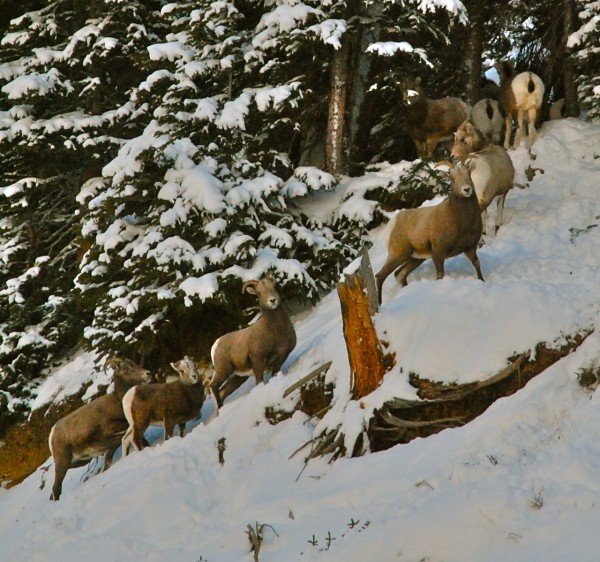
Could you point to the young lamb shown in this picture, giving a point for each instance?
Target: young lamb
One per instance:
(438, 232)
(95, 428)
(166, 404)
(520, 99)
(430, 122)
(488, 119)
(262, 346)
(492, 170)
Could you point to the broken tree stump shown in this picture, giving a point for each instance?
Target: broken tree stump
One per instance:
(358, 300)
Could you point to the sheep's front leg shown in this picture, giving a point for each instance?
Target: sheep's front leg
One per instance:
(169, 426)
(472, 255)
(438, 262)
(108, 458)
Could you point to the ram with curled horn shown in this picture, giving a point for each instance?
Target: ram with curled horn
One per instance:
(256, 349)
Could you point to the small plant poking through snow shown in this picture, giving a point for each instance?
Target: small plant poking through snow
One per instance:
(537, 498)
(353, 526)
(255, 536)
(589, 377)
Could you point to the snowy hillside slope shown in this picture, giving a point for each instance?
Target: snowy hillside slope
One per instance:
(521, 482)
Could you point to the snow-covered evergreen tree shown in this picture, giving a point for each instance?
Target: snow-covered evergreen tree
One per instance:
(208, 196)
(586, 46)
(65, 73)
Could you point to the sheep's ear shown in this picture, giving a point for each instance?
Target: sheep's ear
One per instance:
(249, 287)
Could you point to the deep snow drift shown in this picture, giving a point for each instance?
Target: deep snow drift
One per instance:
(521, 482)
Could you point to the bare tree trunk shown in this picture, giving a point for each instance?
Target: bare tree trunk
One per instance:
(358, 299)
(361, 111)
(474, 50)
(571, 101)
(334, 144)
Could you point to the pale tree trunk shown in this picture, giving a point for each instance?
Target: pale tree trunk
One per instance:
(571, 101)
(361, 111)
(474, 50)
(338, 81)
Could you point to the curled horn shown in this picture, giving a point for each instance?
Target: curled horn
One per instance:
(113, 363)
(249, 284)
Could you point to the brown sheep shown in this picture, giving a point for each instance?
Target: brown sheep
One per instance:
(260, 347)
(438, 232)
(430, 122)
(166, 404)
(520, 98)
(96, 428)
(492, 170)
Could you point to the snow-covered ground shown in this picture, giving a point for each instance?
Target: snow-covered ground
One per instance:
(521, 482)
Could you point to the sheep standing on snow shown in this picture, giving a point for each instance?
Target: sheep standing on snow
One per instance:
(521, 96)
(488, 119)
(96, 428)
(492, 170)
(260, 347)
(430, 122)
(166, 404)
(438, 232)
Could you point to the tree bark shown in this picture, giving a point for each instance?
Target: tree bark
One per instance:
(334, 144)
(474, 50)
(571, 101)
(368, 363)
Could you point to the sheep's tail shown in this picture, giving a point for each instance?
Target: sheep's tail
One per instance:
(530, 85)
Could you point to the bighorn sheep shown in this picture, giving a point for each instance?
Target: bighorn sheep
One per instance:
(450, 228)
(520, 99)
(488, 119)
(492, 170)
(558, 110)
(166, 404)
(430, 122)
(262, 346)
(95, 428)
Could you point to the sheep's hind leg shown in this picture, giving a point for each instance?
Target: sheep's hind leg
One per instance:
(499, 211)
(531, 131)
(507, 131)
(60, 470)
(231, 385)
(388, 267)
(407, 267)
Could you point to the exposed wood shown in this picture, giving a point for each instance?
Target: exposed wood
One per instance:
(368, 363)
(441, 406)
